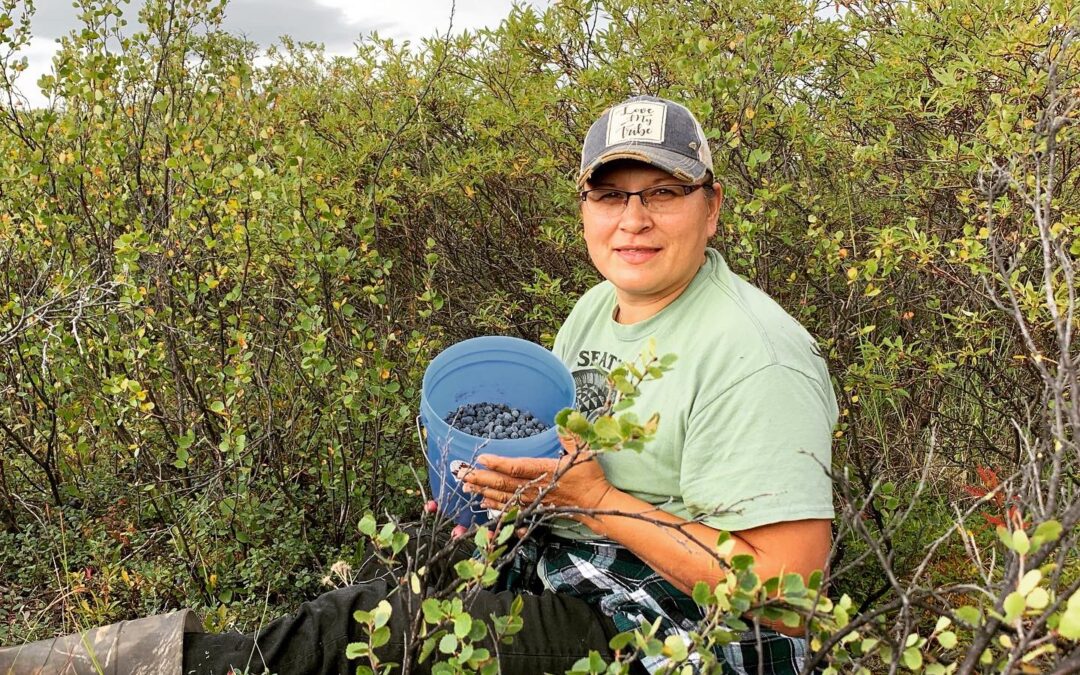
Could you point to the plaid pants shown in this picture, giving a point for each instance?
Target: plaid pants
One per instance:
(611, 578)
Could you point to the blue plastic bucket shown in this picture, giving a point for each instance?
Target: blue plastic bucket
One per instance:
(490, 369)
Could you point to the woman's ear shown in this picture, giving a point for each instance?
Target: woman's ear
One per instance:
(718, 199)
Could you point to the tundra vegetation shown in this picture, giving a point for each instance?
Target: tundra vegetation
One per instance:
(221, 278)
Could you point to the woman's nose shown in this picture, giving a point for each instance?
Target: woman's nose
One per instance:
(636, 217)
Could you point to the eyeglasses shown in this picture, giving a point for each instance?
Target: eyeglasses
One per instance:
(657, 199)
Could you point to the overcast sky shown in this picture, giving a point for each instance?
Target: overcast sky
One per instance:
(335, 23)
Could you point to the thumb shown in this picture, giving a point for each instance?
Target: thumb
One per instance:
(571, 442)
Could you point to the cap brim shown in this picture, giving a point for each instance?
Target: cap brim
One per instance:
(680, 166)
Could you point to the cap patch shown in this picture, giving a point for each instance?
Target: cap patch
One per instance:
(641, 121)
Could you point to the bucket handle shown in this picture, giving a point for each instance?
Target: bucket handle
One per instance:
(431, 466)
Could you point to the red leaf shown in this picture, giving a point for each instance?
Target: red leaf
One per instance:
(988, 477)
(976, 492)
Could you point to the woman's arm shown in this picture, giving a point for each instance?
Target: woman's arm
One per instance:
(679, 554)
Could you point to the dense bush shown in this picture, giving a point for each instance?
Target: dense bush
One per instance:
(220, 284)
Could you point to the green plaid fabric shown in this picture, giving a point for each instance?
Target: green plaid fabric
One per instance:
(612, 578)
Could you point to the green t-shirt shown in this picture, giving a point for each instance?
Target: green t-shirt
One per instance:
(746, 413)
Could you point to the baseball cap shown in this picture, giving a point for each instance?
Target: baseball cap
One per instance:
(648, 129)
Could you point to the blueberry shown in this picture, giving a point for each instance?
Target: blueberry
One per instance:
(494, 420)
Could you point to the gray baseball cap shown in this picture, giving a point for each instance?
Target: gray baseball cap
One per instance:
(652, 130)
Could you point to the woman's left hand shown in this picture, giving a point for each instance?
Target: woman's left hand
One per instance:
(504, 482)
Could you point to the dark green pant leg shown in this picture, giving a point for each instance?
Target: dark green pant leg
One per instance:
(558, 630)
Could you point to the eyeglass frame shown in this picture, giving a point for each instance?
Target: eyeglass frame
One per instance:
(687, 190)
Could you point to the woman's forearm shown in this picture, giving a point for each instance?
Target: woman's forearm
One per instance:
(681, 551)
(685, 552)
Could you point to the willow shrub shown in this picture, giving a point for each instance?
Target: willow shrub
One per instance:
(221, 282)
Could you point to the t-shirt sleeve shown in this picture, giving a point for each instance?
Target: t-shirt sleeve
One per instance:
(759, 452)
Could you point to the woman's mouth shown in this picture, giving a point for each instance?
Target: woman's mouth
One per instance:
(636, 256)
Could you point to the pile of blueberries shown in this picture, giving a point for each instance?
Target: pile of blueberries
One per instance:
(494, 420)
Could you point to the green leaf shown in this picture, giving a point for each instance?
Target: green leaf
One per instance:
(478, 631)
(577, 423)
(367, 524)
(380, 636)
(1047, 531)
(1069, 625)
(468, 569)
(789, 618)
(742, 562)
(969, 615)
(426, 649)
(462, 625)
(1020, 542)
(218, 407)
(606, 427)
(356, 650)
(1038, 598)
(675, 647)
(913, 659)
(947, 639)
(621, 640)
(432, 610)
(448, 644)
(1014, 606)
(1028, 582)
(482, 537)
(701, 593)
(1005, 536)
(1074, 602)
(793, 584)
(381, 613)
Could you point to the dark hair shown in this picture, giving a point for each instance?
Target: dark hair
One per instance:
(707, 186)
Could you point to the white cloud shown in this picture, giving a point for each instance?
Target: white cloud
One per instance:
(335, 23)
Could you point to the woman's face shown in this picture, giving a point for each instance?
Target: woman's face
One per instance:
(648, 257)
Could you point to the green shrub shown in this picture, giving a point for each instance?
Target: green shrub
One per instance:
(220, 285)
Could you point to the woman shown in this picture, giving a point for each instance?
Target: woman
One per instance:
(746, 415)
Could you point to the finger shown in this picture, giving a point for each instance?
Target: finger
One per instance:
(479, 478)
(571, 443)
(458, 531)
(501, 497)
(527, 468)
(431, 506)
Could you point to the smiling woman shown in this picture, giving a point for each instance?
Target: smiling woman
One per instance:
(746, 416)
(649, 249)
